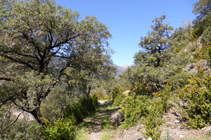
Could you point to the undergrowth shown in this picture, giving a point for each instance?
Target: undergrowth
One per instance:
(64, 128)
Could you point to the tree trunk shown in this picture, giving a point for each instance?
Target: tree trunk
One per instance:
(38, 116)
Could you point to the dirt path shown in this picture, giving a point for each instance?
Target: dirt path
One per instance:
(95, 131)
(95, 126)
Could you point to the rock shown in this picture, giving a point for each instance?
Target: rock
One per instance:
(141, 139)
(206, 129)
(188, 67)
(139, 126)
(181, 136)
(149, 138)
(192, 68)
(26, 115)
(172, 104)
(126, 92)
(183, 102)
(199, 43)
(177, 121)
(117, 117)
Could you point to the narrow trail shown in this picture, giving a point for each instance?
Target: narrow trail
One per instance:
(95, 131)
(97, 126)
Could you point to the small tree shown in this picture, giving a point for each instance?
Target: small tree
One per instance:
(157, 42)
(202, 9)
(150, 61)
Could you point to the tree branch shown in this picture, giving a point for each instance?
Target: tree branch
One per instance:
(6, 79)
(13, 121)
(19, 61)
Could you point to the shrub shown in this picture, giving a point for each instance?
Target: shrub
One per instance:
(118, 95)
(82, 108)
(198, 95)
(101, 94)
(153, 119)
(135, 108)
(118, 100)
(152, 123)
(146, 110)
(117, 90)
(62, 129)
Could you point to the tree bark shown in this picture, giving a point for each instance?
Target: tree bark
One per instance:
(38, 116)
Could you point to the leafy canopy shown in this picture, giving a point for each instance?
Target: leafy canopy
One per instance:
(43, 44)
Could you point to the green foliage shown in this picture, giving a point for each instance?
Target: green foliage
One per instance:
(22, 129)
(198, 95)
(62, 129)
(82, 108)
(118, 99)
(147, 111)
(117, 90)
(118, 95)
(55, 105)
(153, 119)
(135, 108)
(35, 35)
(201, 26)
(105, 123)
(179, 39)
(152, 123)
(183, 35)
(206, 36)
(158, 61)
(202, 9)
(203, 53)
(101, 93)
(156, 43)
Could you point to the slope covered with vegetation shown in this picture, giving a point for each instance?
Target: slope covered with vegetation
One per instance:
(55, 66)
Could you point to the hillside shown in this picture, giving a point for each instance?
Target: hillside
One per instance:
(120, 69)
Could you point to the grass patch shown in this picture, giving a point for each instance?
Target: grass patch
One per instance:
(92, 116)
(81, 134)
(105, 124)
(85, 126)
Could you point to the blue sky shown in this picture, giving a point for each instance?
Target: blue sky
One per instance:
(127, 20)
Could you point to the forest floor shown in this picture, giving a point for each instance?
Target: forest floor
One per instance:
(98, 127)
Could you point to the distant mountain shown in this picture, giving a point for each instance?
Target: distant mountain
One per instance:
(120, 69)
(57, 63)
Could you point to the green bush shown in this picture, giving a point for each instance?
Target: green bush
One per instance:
(146, 110)
(206, 36)
(62, 129)
(117, 90)
(152, 123)
(118, 95)
(82, 108)
(118, 100)
(135, 108)
(198, 95)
